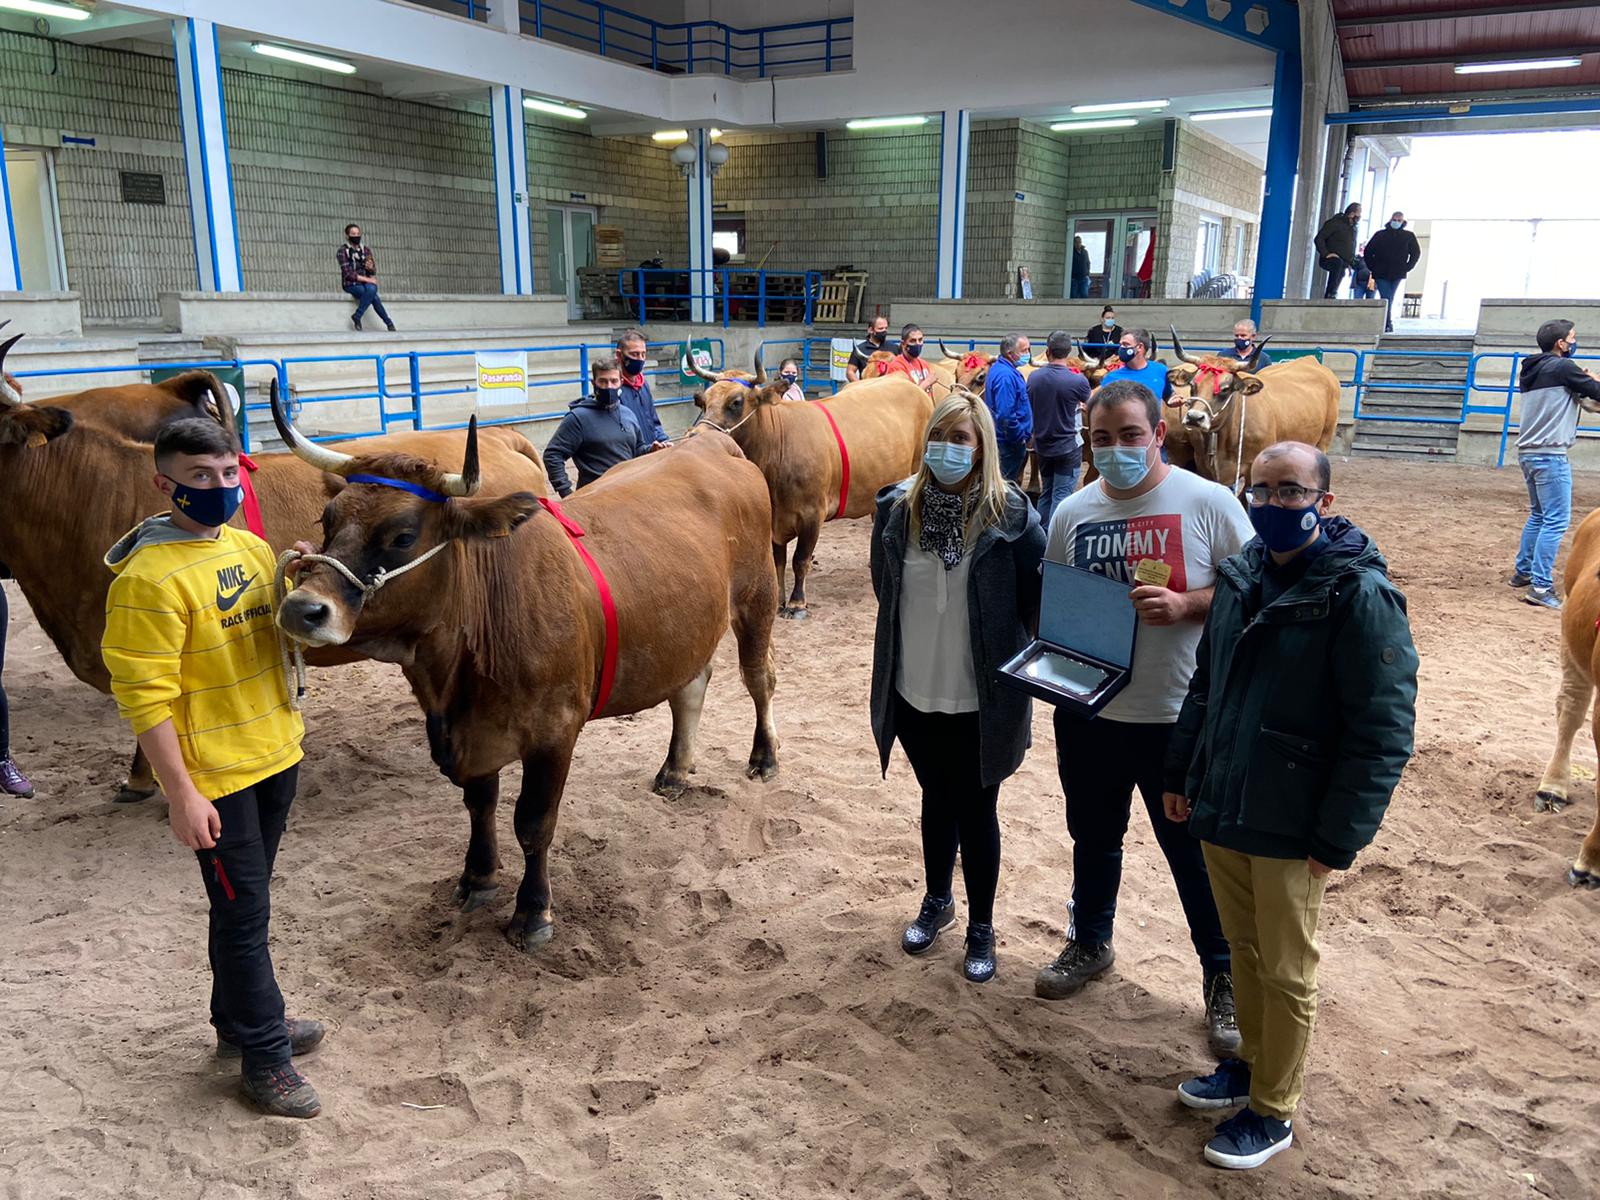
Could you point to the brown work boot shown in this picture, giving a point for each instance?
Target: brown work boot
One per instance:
(304, 1037)
(281, 1091)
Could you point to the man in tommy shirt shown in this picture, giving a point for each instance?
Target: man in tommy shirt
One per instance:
(1162, 531)
(197, 671)
(635, 391)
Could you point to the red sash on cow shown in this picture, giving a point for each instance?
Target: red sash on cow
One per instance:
(252, 505)
(608, 605)
(844, 460)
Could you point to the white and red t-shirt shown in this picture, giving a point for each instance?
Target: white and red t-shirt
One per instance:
(1187, 522)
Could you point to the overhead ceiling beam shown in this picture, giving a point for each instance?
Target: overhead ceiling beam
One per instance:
(1463, 111)
(1446, 60)
(1269, 24)
(1461, 14)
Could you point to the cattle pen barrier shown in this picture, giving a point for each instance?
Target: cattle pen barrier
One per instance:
(423, 389)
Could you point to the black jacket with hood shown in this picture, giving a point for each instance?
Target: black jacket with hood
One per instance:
(1300, 715)
(1391, 253)
(1336, 238)
(595, 437)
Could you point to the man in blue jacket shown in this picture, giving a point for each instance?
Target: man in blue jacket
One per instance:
(1006, 393)
(1291, 740)
(635, 392)
(598, 432)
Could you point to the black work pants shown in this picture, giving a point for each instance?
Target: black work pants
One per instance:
(5, 708)
(246, 1005)
(1335, 272)
(1101, 762)
(958, 812)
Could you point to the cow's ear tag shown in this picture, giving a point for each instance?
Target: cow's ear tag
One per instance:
(35, 440)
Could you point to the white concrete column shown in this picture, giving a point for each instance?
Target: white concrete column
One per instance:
(955, 130)
(205, 149)
(511, 191)
(702, 282)
(10, 259)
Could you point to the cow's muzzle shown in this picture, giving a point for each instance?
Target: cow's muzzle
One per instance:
(312, 620)
(1198, 419)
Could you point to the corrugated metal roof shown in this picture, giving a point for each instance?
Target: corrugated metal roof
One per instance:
(1388, 55)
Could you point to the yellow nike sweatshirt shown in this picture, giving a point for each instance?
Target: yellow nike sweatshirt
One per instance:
(190, 636)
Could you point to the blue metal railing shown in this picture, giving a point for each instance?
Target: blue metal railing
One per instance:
(472, 10)
(385, 388)
(667, 293)
(799, 48)
(1509, 390)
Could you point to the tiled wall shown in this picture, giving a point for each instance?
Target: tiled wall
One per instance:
(1213, 179)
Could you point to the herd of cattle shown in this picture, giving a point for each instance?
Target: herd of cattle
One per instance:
(506, 641)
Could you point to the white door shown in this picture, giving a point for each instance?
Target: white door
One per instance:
(571, 228)
(32, 191)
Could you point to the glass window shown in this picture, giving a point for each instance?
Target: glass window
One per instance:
(1208, 246)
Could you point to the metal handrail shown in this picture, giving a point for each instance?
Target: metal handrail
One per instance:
(614, 32)
(640, 298)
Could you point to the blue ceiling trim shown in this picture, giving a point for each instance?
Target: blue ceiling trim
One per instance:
(1464, 111)
(1269, 24)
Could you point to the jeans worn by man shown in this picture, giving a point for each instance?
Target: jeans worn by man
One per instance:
(1549, 480)
(1388, 289)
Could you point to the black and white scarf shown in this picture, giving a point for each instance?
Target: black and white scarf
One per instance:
(944, 525)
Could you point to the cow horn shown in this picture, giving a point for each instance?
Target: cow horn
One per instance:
(761, 371)
(466, 483)
(5, 390)
(943, 351)
(304, 448)
(691, 367)
(1177, 348)
(1256, 357)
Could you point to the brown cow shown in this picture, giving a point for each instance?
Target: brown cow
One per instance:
(52, 457)
(503, 638)
(1237, 413)
(881, 422)
(1580, 668)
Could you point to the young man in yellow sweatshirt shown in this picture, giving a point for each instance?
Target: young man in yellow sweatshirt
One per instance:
(196, 670)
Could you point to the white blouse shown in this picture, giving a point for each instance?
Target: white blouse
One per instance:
(935, 671)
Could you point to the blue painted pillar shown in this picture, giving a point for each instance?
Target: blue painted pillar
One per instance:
(511, 191)
(702, 283)
(205, 150)
(10, 260)
(955, 129)
(1277, 204)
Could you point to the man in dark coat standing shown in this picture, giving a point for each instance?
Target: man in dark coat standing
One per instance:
(1298, 722)
(1336, 247)
(1391, 253)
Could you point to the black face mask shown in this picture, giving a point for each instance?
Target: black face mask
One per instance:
(605, 396)
(914, 351)
(355, 241)
(877, 338)
(633, 366)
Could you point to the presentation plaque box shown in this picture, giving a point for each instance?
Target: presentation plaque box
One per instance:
(1083, 655)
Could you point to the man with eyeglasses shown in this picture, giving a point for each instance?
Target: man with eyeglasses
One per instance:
(1292, 738)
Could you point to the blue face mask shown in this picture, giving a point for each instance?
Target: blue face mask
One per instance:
(606, 396)
(1107, 322)
(1572, 348)
(949, 462)
(1284, 529)
(914, 350)
(1126, 353)
(788, 377)
(1397, 224)
(209, 507)
(633, 366)
(1242, 346)
(1123, 467)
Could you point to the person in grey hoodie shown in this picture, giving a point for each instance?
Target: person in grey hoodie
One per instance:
(1553, 389)
(598, 432)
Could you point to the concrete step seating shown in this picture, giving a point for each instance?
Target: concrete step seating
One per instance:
(1427, 361)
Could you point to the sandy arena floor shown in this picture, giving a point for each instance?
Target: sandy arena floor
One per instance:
(725, 1011)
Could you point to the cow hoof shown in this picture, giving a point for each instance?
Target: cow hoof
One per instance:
(469, 899)
(766, 771)
(797, 614)
(1579, 878)
(132, 795)
(1545, 801)
(528, 936)
(670, 784)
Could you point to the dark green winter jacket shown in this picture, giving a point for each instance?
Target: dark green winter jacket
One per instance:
(1300, 714)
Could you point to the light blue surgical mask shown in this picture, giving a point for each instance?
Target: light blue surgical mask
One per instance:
(949, 462)
(1123, 467)
(1397, 224)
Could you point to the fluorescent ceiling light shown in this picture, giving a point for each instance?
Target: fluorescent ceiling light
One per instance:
(679, 135)
(1230, 114)
(885, 122)
(554, 109)
(47, 8)
(1108, 123)
(1130, 106)
(1529, 64)
(305, 59)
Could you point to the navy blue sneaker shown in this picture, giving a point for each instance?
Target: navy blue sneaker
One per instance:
(1543, 597)
(1226, 1087)
(1247, 1139)
(937, 914)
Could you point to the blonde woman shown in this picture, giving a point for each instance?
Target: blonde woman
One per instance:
(955, 565)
